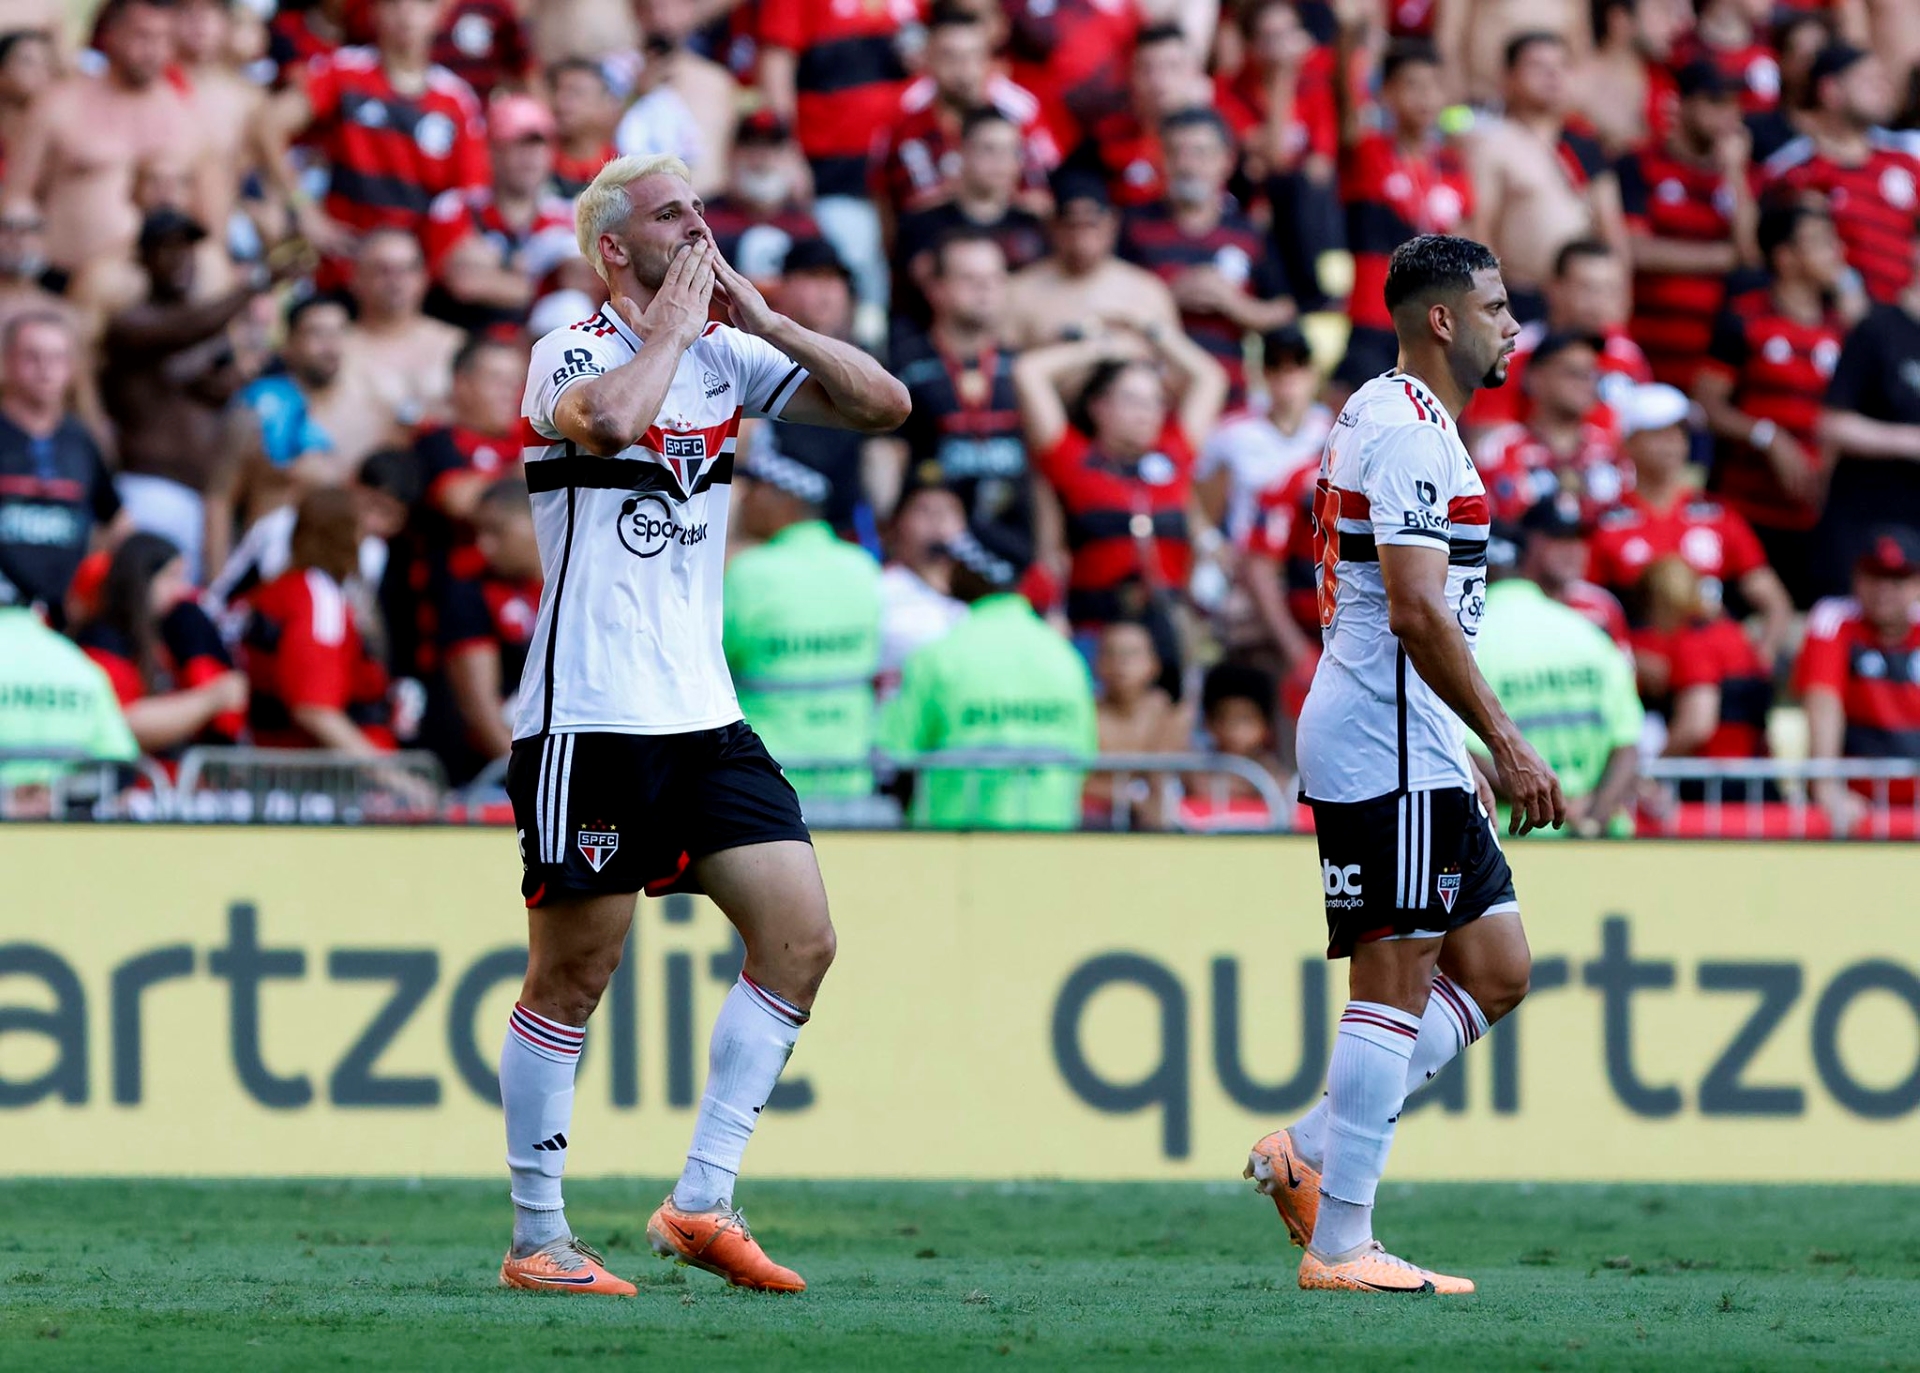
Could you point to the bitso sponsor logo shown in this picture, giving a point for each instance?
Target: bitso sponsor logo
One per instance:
(649, 526)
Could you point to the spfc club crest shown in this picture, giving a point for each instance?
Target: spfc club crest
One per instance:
(600, 845)
(1449, 883)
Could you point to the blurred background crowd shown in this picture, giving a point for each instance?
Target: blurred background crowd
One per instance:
(268, 277)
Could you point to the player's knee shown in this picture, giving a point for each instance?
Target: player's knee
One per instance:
(1508, 987)
(573, 987)
(812, 952)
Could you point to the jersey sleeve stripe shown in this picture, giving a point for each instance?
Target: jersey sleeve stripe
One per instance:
(783, 393)
(1353, 505)
(585, 472)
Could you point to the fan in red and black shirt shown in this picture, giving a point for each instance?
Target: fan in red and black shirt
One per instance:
(174, 679)
(296, 36)
(395, 131)
(1211, 256)
(1762, 384)
(484, 43)
(842, 65)
(1559, 451)
(314, 685)
(485, 626)
(585, 114)
(1122, 468)
(490, 252)
(1870, 182)
(1124, 147)
(964, 433)
(1697, 664)
(1395, 185)
(1859, 671)
(1726, 37)
(918, 158)
(1664, 515)
(1073, 54)
(1690, 212)
(759, 216)
(1281, 59)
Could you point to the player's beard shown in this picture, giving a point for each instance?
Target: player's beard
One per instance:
(1496, 375)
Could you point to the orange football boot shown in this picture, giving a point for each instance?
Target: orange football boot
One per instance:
(720, 1243)
(1279, 1172)
(1370, 1268)
(566, 1265)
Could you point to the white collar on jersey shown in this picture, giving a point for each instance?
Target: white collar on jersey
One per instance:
(619, 324)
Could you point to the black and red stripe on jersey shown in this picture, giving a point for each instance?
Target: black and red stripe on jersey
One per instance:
(441, 548)
(1670, 197)
(1875, 204)
(1779, 368)
(1521, 469)
(964, 432)
(1716, 652)
(1753, 70)
(484, 43)
(489, 611)
(1128, 155)
(293, 41)
(847, 82)
(459, 215)
(1234, 248)
(917, 160)
(1126, 521)
(390, 154)
(729, 220)
(1390, 197)
(1353, 541)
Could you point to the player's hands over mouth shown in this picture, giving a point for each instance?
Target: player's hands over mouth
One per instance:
(746, 307)
(679, 308)
(1531, 787)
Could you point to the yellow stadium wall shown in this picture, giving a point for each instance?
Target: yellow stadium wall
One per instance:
(330, 1002)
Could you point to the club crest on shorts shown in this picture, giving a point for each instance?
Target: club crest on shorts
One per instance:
(1449, 885)
(598, 846)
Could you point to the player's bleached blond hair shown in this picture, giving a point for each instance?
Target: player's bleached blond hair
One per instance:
(604, 203)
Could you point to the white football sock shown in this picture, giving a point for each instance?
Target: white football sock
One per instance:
(1452, 1021)
(537, 1064)
(752, 1041)
(1366, 1085)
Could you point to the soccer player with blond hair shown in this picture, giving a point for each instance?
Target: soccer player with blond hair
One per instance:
(1419, 897)
(632, 768)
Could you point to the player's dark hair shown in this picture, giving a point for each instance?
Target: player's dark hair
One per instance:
(1518, 44)
(979, 117)
(1238, 682)
(946, 15)
(394, 472)
(306, 305)
(126, 598)
(475, 345)
(1434, 265)
(1780, 220)
(1199, 117)
(958, 237)
(556, 70)
(1154, 34)
(13, 38)
(1407, 52)
(1571, 253)
(1101, 380)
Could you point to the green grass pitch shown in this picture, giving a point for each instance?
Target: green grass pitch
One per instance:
(907, 1276)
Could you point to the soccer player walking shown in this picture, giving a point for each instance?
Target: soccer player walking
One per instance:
(631, 765)
(1419, 896)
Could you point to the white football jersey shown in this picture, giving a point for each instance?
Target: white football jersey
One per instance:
(1394, 472)
(633, 546)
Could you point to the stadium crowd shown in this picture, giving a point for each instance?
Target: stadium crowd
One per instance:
(268, 277)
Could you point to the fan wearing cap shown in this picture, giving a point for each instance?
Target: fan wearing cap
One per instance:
(1666, 514)
(761, 213)
(169, 374)
(1859, 669)
(803, 628)
(1082, 288)
(1569, 690)
(490, 249)
(1729, 36)
(1559, 449)
(1762, 382)
(1554, 555)
(1691, 215)
(1869, 181)
(1002, 679)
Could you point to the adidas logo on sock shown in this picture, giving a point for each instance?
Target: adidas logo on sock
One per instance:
(552, 1145)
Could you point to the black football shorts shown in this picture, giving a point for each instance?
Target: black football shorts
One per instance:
(1408, 865)
(600, 813)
